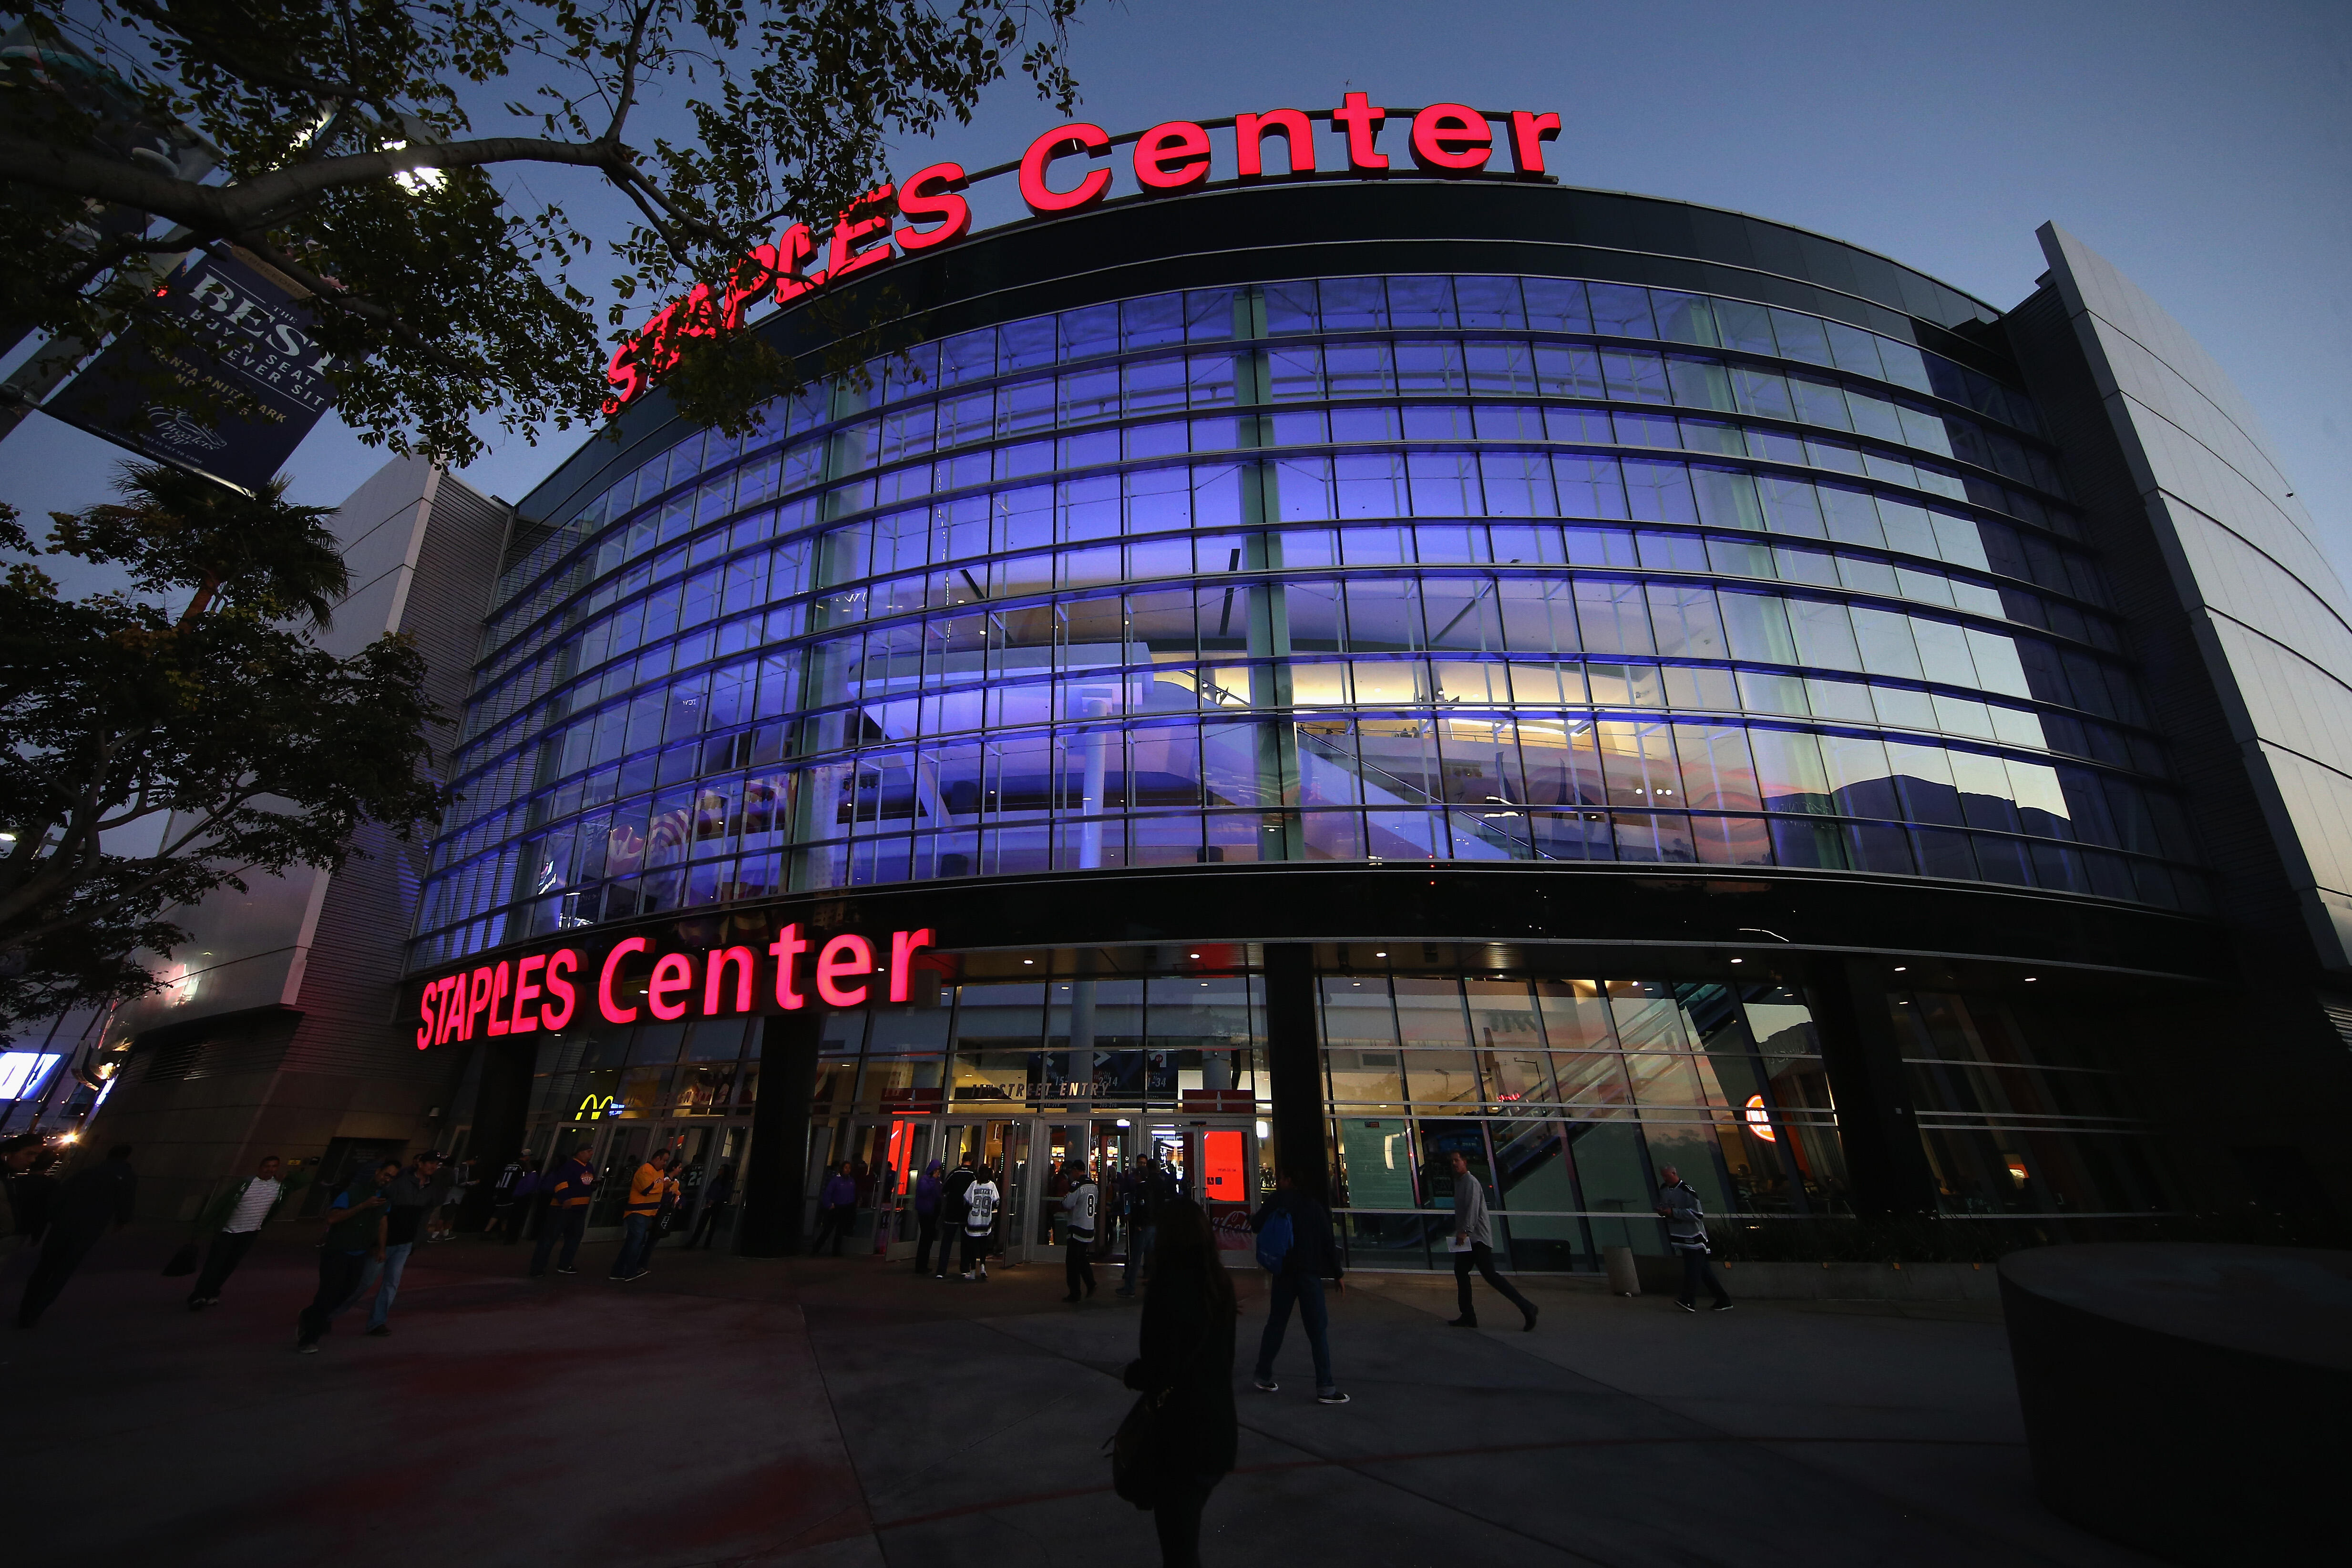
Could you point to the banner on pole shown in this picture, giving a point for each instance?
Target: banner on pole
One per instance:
(247, 340)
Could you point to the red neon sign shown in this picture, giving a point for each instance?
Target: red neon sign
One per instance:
(1446, 139)
(540, 992)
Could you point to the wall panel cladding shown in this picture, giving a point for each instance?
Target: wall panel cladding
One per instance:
(2204, 728)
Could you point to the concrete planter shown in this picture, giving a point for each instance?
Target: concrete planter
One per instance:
(1836, 1281)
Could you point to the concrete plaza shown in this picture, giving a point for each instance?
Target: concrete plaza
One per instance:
(836, 1412)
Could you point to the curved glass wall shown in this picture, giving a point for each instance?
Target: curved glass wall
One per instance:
(1485, 568)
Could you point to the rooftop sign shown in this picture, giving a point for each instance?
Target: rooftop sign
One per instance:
(1445, 140)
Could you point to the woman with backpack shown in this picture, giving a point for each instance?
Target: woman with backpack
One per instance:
(1185, 1370)
(980, 1201)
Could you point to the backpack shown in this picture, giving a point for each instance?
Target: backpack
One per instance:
(1273, 1241)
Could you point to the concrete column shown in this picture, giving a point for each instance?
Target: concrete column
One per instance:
(1876, 1118)
(777, 1173)
(502, 1109)
(1293, 1049)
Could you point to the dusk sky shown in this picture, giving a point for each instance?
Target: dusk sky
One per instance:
(2206, 151)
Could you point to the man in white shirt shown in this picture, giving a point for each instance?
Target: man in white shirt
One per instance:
(246, 1206)
(1079, 1205)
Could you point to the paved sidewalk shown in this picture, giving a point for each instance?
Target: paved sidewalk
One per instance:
(837, 1413)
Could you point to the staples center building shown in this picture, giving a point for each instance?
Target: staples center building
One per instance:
(1340, 670)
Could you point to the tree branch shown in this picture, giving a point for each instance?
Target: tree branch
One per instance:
(222, 211)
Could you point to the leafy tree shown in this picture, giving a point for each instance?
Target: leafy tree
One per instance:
(359, 140)
(153, 755)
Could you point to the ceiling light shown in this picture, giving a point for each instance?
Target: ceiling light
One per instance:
(1739, 960)
(1900, 967)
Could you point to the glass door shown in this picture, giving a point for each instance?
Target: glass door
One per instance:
(1216, 1166)
(885, 1156)
(624, 1150)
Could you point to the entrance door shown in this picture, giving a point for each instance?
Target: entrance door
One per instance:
(893, 1152)
(1216, 1166)
(1001, 1148)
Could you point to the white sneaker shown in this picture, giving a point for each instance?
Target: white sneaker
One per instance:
(970, 1275)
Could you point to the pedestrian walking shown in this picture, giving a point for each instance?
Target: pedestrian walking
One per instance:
(929, 1189)
(837, 1206)
(568, 1197)
(980, 1201)
(510, 1195)
(1185, 1365)
(712, 1223)
(241, 1213)
(1295, 1245)
(646, 1189)
(85, 1205)
(1080, 1204)
(354, 1239)
(1474, 1247)
(954, 1205)
(1678, 1205)
(1147, 1192)
(410, 1199)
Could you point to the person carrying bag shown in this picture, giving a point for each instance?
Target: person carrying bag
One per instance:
(1180, 1438)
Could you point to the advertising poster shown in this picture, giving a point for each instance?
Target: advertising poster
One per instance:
(247, 338)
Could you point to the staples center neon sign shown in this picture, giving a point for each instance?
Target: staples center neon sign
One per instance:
(1446, 139)
(542, 990)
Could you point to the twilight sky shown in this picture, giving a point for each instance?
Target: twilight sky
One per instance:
(2207, 151)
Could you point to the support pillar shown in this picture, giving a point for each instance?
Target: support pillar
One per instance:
(1876, 1119)
(774, 1180)
(1294, 1050)
(501, 1112)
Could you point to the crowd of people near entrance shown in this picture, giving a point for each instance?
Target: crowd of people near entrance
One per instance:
(1177, 1443)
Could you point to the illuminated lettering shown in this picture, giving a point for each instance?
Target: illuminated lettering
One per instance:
(848, 233)
(786, 950)
(560, 969)
(844, 955)
(793, 249)
(424, 1001)
(1042, 199)
(1171, 157)
(1297, 139)
(1363, 123)
(1448, 139)
(613, 1010)
(903, 947)
(1529, 134)
(714, 976)
(477, 998)
(448, 991)
(525, 1019)
(497, 997)
(673, 973)
(931, 193)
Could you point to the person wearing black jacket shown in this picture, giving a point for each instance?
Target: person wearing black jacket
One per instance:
(1185, 1362)
(1313, 1255)
(85, 1205)
(953, 1207)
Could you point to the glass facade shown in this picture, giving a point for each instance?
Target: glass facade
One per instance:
(1479, 568)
